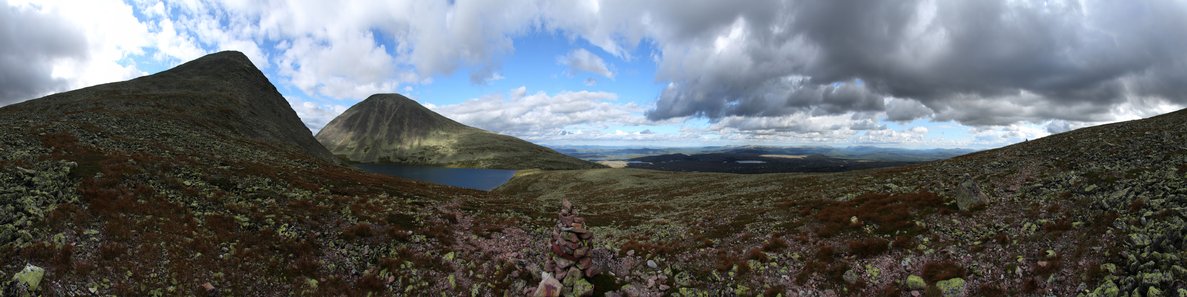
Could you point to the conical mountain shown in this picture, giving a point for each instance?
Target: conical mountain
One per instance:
(390, 128)
(221, 93)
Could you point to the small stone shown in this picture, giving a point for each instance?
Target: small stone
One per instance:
(570, 237)
(562, 263)
(207, 286)
(850, 276)
(969, 195)
(581, 287)
(1107, 289)
(590, 271)
(30, 277)
(1154, 292)
(651, 264)
(548, 287)
(872, 273)
(915, 282)
(1110, 267)
(571, 276)
(550, 265)
(951, 287)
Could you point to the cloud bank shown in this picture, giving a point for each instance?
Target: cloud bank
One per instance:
(759, 68)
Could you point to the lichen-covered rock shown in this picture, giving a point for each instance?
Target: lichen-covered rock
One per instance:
(1107, 289)
(850, 276)
(25, 283)
(1154, 292)
(915, 282)
(579, 287)
(872, 273)
(951, 287)
(969, 195)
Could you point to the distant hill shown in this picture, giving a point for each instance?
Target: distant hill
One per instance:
(867, 153)
(390, 128)
(748, 162)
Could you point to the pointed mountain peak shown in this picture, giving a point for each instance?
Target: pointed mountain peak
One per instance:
(394, 128)
(388, 97)
(228, 67)
(224, 60)
(222, 92)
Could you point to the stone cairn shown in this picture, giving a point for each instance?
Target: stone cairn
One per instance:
(571, 245)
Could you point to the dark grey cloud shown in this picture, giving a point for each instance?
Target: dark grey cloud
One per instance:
(29, 44)
(902, 110)
(975, 62)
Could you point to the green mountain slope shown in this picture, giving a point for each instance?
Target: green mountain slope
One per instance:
(390, 128)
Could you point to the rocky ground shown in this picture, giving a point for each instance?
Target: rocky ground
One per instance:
(1097, 212)
(123, 190)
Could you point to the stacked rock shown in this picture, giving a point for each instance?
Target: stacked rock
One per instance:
(571, 247)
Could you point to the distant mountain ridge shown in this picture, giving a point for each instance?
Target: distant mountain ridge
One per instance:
(391, 128)
(873, 153)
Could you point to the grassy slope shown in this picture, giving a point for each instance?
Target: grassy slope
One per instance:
(1107, 202)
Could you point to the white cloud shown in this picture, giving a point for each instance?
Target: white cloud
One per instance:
(173, 45)
(351, 68)
(544, 116)
(316, 115)
(86, 43)
(367, 46)
(995, 136)
(913, 135)
(796, 127)
(582, 60)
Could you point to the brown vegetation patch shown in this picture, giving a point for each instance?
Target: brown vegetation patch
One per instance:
(891, 213)
(935, 271)
(868, 247)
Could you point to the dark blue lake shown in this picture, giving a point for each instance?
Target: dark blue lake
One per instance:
(470, 178)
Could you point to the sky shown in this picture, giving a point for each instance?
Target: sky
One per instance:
(914, 74)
